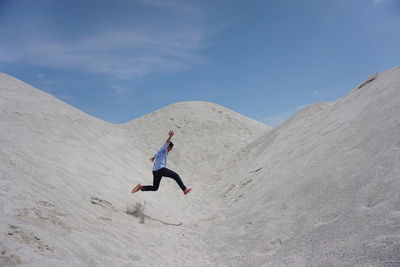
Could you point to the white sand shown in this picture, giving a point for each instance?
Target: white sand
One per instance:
(322, 189)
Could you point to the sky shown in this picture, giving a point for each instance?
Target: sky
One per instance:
(266, 59)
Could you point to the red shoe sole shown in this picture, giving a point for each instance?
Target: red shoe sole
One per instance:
(187, 191)
(136, 188)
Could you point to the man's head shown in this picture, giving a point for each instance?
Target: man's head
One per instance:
(170, 146)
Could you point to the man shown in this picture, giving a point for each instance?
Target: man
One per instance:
(160, 169)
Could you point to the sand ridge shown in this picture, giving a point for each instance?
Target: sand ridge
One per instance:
(321, 189)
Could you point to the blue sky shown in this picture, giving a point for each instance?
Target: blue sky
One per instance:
(118, 60)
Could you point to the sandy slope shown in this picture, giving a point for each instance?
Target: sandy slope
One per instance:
(321, 189)
(66, 180)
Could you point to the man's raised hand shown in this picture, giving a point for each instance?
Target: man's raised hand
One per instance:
(170, 134)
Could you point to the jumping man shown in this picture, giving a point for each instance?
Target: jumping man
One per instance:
(160, 169)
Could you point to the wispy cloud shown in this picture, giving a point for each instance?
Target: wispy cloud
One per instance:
(125, 52)
(124, 55)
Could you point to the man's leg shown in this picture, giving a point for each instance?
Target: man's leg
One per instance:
(156, 182)
(171, 174)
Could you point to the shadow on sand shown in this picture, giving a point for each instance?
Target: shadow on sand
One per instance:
(137, 211)
(144, 216)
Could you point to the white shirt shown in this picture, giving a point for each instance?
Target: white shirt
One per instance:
(160, 159)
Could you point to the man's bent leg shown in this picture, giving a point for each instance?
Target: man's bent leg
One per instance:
(156, 182)
(171, 174)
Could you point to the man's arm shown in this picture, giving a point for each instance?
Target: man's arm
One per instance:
(170, 134)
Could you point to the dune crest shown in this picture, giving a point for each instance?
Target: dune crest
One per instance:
(321, 189)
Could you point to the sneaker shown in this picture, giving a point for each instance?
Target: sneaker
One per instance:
(137, 188)
(187, 190)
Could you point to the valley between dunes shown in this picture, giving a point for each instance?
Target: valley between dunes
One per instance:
(321, 189)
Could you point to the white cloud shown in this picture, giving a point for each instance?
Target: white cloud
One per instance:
(124, 52)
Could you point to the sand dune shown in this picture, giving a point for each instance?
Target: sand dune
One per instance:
(321, 189)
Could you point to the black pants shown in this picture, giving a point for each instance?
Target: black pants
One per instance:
(164, 172)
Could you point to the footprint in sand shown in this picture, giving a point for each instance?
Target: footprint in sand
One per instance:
(245, 183)
(326, 218)
(104, 219)
(373, 200)
(28, 238)
(8, 260)
(271, 245)
(102, 203)
(45, 204)
(43, 213)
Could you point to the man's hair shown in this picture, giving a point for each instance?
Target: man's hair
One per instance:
(171, 144)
